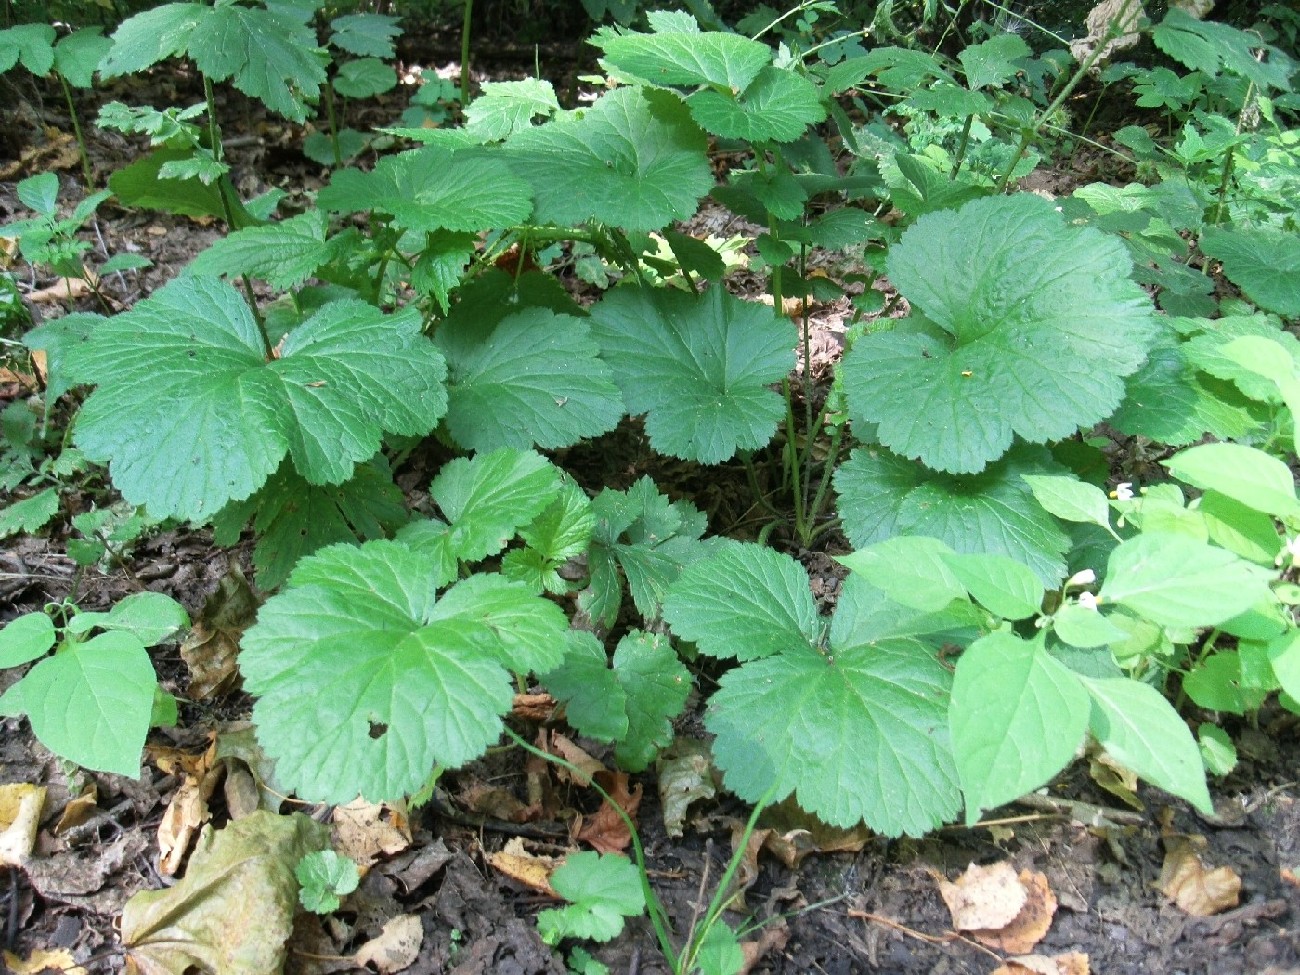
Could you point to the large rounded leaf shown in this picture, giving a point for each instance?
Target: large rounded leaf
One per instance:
(1029, 327)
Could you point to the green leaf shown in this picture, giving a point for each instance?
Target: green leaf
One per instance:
(365, 682)
(324, 876)
(527, 631)
(293, 518)
(26, 638)
(40, 193)
(140, 185)
(268, 53)
(441, 266)
(489, 497)
(90, 703)
(1263, 263)
(857, 735)
(283, 254)
(882, 496)
(1284, 657)
(778, 106)
(192, 415)
(1080, 626)
(365, 35)
(151, 36)
(993, 62)
(698, 366)
(1208, 46)
(1070, 499)
(29, 515)
(635, 159)
(1217, 750)
(595, 699)
(951, 101)
(744, 601)
(506, 107)
(686, 58)
(77, 56)
(529, 378)
(657, 685)
(430, 189)
(319, 147)
(1002, 585)
(1142, 731)
(649, 537)
(910, 569)
(719, 952)
(559, 533)
(364, 78)
(1032, 325)
(1177, 581)
(32, 44)
(1246, 474)
(603, 888)
(150, 617)
(1016, 717)
(1242, 530)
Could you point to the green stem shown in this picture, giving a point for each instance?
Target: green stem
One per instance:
(333, 122)
(961, 147)
(76, 131)
(792, 459)
(464, 54)
(1026, 134)
(815, 509)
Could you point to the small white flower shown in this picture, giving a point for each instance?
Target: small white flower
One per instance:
(1291, 550)
(1084, 577)
(1123, 491)
(1088, 601)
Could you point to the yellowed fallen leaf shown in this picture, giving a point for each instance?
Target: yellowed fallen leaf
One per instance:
(795, 834)
(575, 755)
(519, 864)
(984, 897)
(187, 812)
(605, 830)
(397, 946)
(211, 649)
(77, 811)
(1029, 926)
(366, 832)
(64, 289)
(1071, 963)
(1186, 880)
(40, 960)
(1119, 781)
(233, 910)
(20, 817)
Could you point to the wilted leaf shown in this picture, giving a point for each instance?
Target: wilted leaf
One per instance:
(397, 946)
(1189, 883)
(212, 647)
(233, 911)
(365, 832)
(1030, 924)
(20, 817)
(984, 897)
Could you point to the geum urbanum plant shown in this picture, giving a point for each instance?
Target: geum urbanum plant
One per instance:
(378, 664)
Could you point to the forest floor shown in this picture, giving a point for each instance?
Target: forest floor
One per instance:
(817, 901)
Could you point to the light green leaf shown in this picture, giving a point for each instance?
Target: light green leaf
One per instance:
(1070, 499)
(268, 53)
(595, 699)
(362, 688)
(857, 735)
(32, 44)
(1232, 525)
(489, 497)
(90, 703)
(283, 254)
(1264, 263)
(1082, 627)
(431, 189)
(1016, 717)
(744, 601)
(604, 889)
(882, 496)
(993, 62)
(1246, 474)
(26, 638)
(365, 35)
(686, 58)
(635, 159)
(441, 266)
(1209, 45)
(77, 56)
(561, 532)
(364, 78)
(1032, 325)
(191, 414)
(527, 631)
(319, 147)
(506, 107)
(1217, 750)
(1284, 657)
(324, 877)
(1002, 585)
(910, 569)
(30, 514)
(698, 366)
(1142, 731)
(529, 378)
(1177, 581)
(150, 617)
(40, 193)
(720, 952)
(656, 684)
(950, 101)
(778, 106)
(151, 36)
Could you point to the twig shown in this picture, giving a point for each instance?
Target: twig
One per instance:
(944, 939)
(1082, 812)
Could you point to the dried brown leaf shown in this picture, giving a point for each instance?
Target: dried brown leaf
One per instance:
(984, 897)
(605, 830)
(396, 947)
(20, 817)
(1195, 888)
(1029, 926)
(366, 832)
(211, 650)
(530, 869)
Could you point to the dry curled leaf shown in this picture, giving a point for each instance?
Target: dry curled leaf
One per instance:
(605, 829)
(20, 816)
(1195, 888)
(519, 864)
(984, 898)
(41, 960)
(212, 647)
(396, 947)
(1071, 963)
(1031, 924)
(366, 832)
